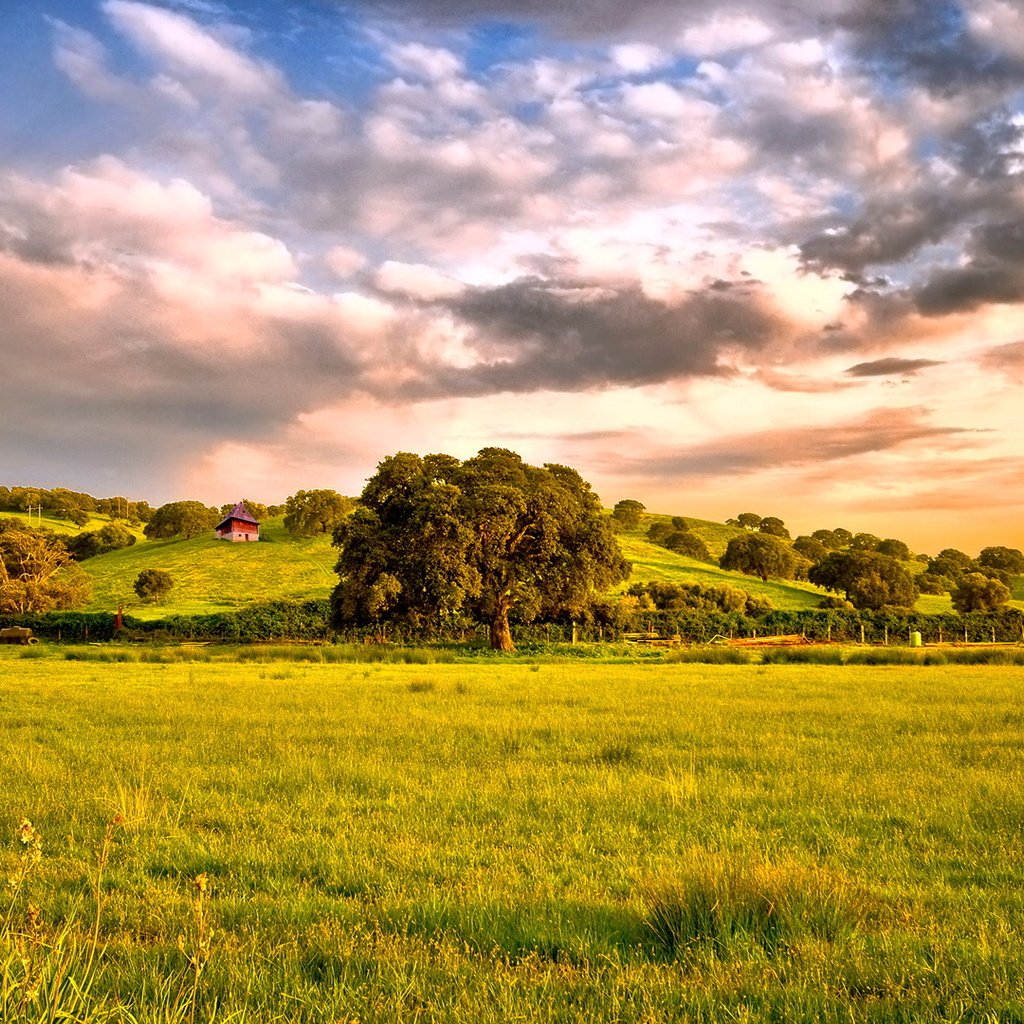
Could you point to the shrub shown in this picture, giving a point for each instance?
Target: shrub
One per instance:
(718, 902)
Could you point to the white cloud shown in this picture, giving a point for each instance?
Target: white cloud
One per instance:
(723, 33)
(416, 281)
(192, 51)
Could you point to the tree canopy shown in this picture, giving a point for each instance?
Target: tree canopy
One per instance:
(36, 571)
(489, 538)
(1008, 559)
(629, 512)
(761, 554)
(976, 592)
(181, 519)
(153, 584)
(774, 527)
(866, 578)
(307, 513)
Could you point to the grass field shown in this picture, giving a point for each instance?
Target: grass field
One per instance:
(570, 843)
(211, 575)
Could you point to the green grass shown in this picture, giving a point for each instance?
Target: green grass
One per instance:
(65, 526)
(584, 843)
(212, 575)
(651, 562)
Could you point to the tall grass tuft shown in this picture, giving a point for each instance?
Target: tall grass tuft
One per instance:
(720, 903)
(709, 656)
(802, 656)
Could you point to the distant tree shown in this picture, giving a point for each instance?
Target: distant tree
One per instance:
(153, 584)
(181, 519)
(1004, 577)
(894, 549)
(629, 512)
(950, 562)
(679, 523)
(865, 542)
(836, 603)
(810, 547)
(140, 511)
(930, 583)
(111, 537)
(867, 579)
(977, 593)
(749, 520)
(308, 513)
(774, 527)
(491, 537)
(657, 532)
(73, 514)
(665, 596)
(841, 538)
(682, 542)
(761, 555)
(36, 571)
(1008, 559)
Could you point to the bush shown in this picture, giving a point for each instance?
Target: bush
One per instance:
(719, 902)
(153, 584)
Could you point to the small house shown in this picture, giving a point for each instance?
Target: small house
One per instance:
(238, 525)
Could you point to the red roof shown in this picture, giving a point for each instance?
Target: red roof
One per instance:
(238, 513)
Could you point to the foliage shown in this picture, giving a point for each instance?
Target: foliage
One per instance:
(773, 527)
(629, 512)
(308, 513)
(682, 542)
(976, 592)
(153, 584)
(894, 548)
(491, 537)
(36, 571)
(811, 548)
(657, 532)
(111, 537)
(930, 583)
(181, 519)
(679, 523)
(761, 555)
(950, 562)
(1008, 559)
(866, 578)
(696, 596)
(748, 520)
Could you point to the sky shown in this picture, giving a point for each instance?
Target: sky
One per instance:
(762, 255)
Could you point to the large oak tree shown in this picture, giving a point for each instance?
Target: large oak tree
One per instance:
(491, 537)
(36, 571)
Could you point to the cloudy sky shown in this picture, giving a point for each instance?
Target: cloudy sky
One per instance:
(719, 256)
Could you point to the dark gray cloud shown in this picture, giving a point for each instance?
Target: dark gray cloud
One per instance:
(927, 41)
(890, 367)
(994, 272)
(880, 430)
(534, 334)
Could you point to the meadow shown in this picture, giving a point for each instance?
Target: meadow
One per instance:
(270, 840)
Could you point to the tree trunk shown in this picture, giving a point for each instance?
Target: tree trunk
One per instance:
(501, 632)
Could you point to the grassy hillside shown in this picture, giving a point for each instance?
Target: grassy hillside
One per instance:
(65, 526)
(651, 562)
(211, 575)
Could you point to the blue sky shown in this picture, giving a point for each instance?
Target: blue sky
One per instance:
(718, 256)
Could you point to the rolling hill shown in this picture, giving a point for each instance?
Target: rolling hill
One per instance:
(212, 576)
